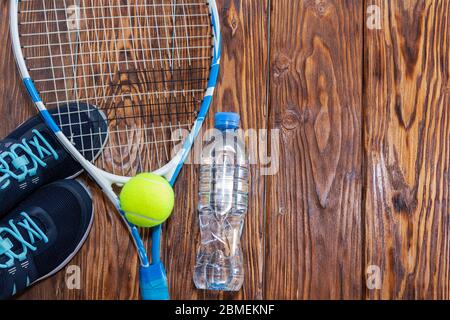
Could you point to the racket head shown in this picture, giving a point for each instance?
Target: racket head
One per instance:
(150, 66)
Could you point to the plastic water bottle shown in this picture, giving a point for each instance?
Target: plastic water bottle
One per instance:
(223, 202)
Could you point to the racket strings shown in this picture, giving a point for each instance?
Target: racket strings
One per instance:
(144, 63)
(193, 79)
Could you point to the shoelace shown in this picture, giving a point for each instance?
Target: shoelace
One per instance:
(34, 234)
(20, 163)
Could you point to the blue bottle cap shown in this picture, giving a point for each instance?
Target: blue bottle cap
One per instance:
(226, 120)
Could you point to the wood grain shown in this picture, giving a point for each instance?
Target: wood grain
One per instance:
(109, 255)
(364, 177)
(108, 261)
(244, 63)
(314, 234)
(407, 149)
(13, 97)
(15, 103)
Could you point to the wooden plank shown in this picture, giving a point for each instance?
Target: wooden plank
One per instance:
(407, 150)
(310, 245)
(15, 105)
(242, 89)
(314, 234)
(108, 262)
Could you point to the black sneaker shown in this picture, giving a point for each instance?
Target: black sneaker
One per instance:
(31, 157)
(43, 234)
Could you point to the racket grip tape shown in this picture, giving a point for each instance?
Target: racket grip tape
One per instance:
(153, 282)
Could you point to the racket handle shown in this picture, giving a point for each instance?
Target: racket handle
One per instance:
(153, 282)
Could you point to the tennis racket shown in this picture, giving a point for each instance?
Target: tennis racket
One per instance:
(150, 65)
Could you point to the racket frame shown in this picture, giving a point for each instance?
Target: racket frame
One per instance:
(153, 280)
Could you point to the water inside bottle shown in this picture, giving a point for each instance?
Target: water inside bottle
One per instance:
(223, 200)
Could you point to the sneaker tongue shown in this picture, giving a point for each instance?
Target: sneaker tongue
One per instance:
(17, 246)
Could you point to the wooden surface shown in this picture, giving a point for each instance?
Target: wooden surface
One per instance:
(407, 150)
(315, 101)
(364, 167)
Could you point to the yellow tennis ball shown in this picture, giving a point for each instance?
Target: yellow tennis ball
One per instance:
(147, 200)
